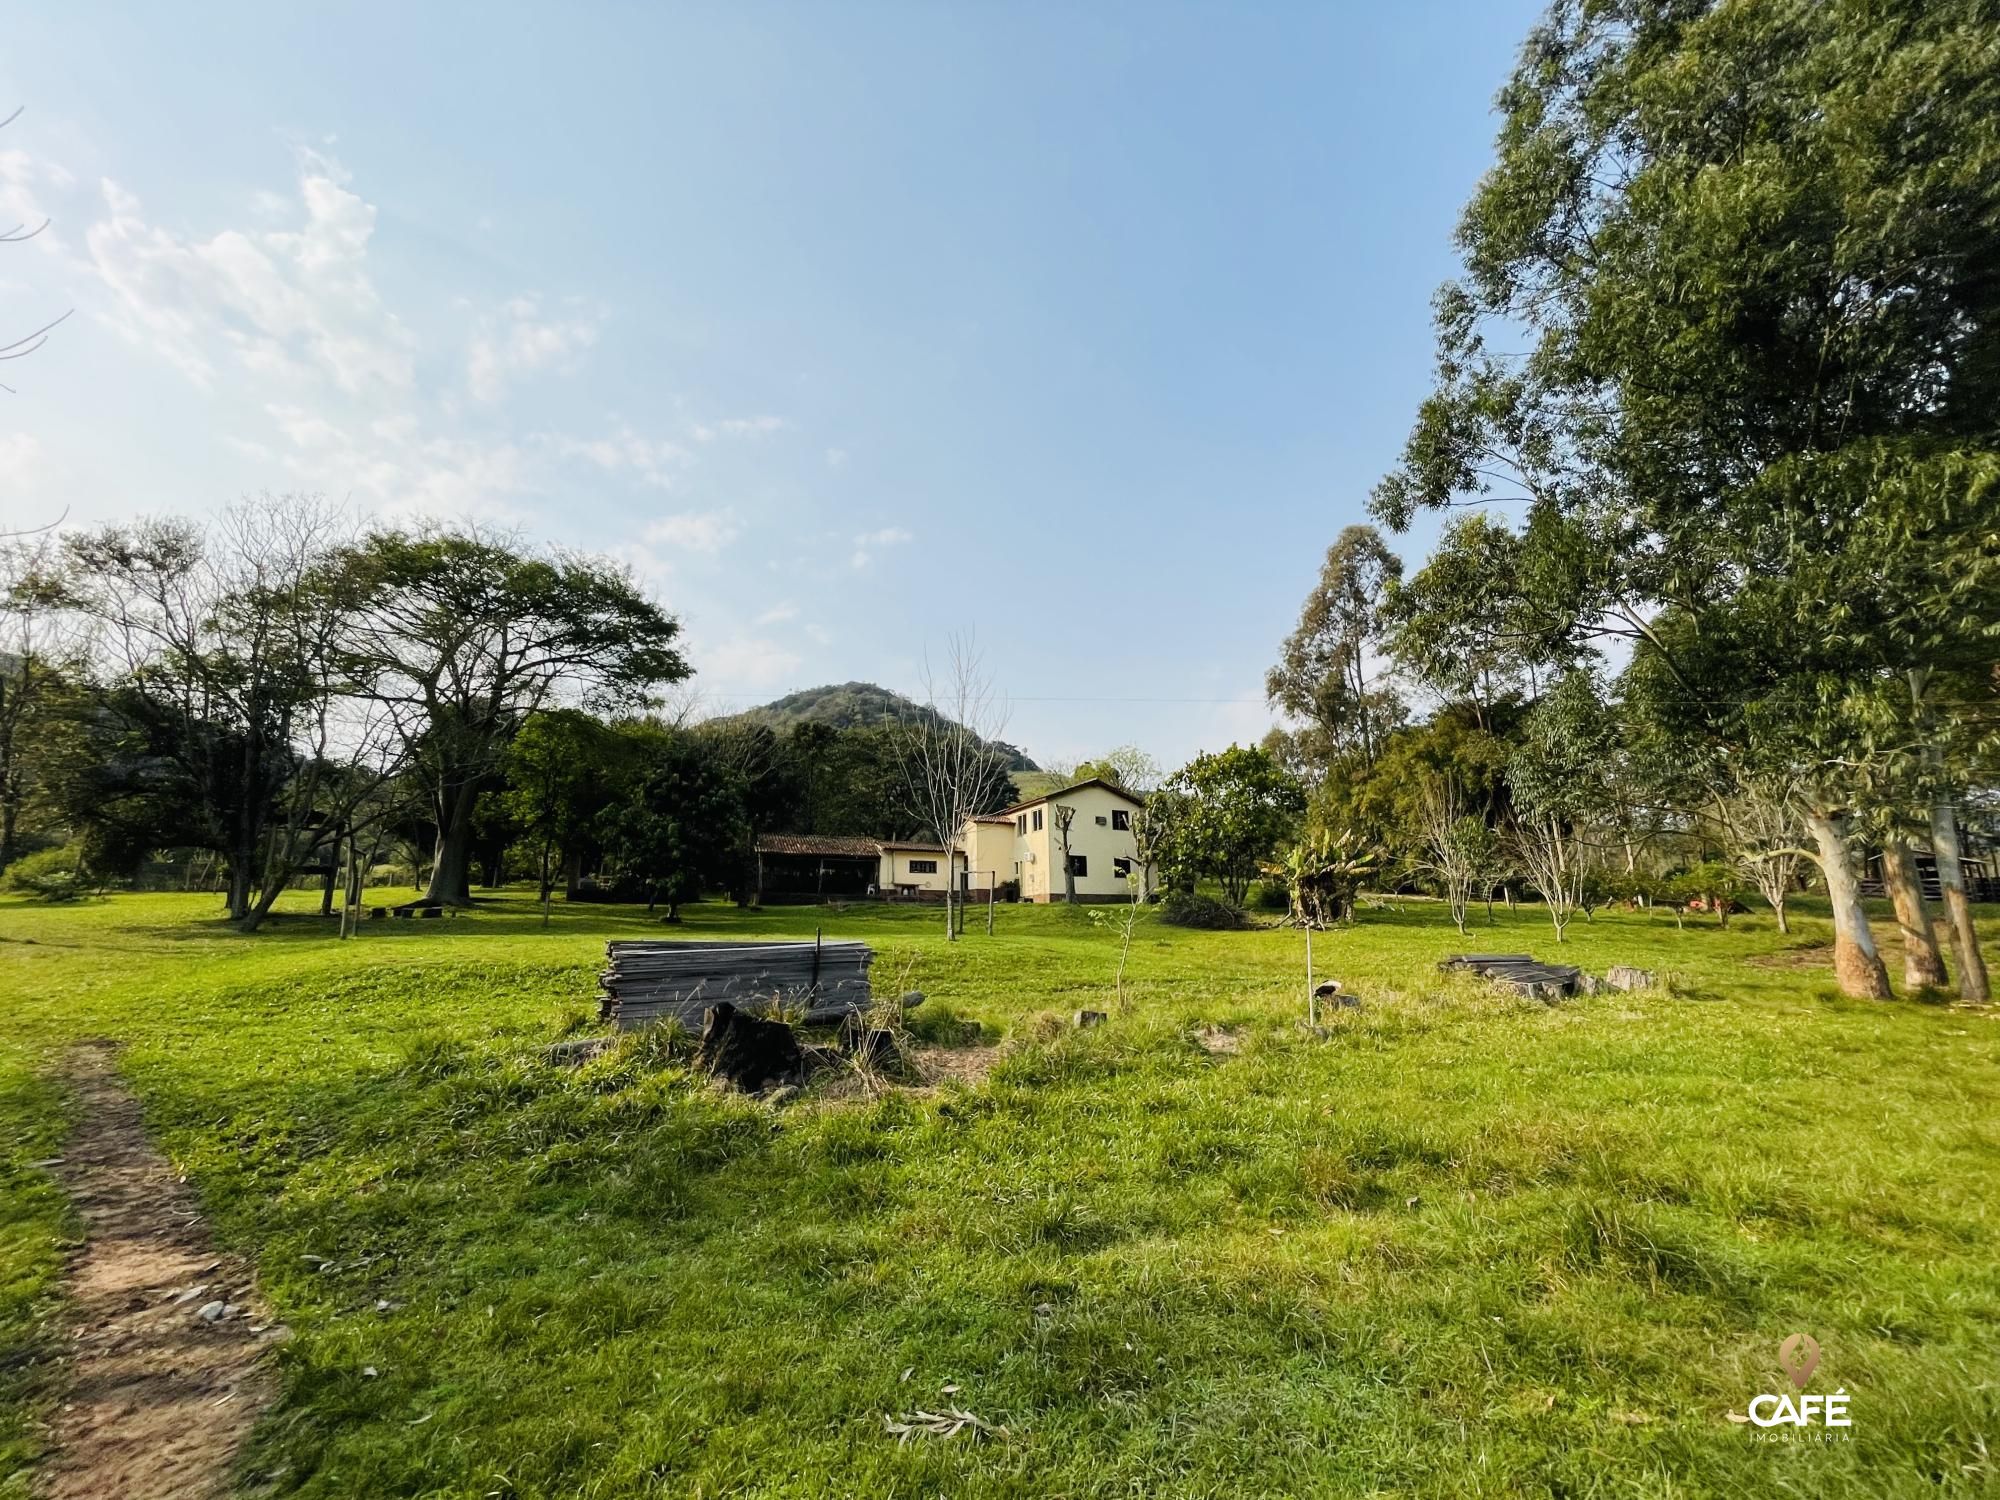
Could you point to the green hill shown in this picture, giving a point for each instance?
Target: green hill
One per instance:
(859, 705)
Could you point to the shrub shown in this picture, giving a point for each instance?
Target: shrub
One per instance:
(1271, 895)
(50, 875)
(1710, 886)
(1187, 909)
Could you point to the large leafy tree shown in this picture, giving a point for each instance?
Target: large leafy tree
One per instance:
(563, 769)
(1750, 246)
(464, 636)
(1229, 812)
(682, 829)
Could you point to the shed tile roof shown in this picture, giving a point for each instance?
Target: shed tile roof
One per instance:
(795, 843)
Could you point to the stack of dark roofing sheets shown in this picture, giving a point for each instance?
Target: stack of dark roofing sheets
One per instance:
(1520, 972)
(649, 981)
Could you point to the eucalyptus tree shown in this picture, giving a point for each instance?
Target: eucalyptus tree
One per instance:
(1325, 680)
(1749, 247)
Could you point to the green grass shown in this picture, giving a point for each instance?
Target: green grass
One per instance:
(1460, 1246)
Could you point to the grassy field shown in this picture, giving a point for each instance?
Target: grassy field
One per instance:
(1462, 1245)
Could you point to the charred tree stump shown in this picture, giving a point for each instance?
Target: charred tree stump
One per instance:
(752, 1054)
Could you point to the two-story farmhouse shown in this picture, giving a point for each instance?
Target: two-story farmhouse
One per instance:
(1085, 828)
(1028, 843)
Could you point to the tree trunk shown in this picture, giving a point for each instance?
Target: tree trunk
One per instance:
(1923, 966)
(1972, 982)
(238, 895)
(1779, 904)
(1856, 964)
(451, 872)
(572, 873)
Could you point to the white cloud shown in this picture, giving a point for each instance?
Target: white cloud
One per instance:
(518, 341)
(708, 432)
(315, 383)
(778, 614)
(706, 531)
(651, 461)
(284, 301)
(869, 542)
(836, 458)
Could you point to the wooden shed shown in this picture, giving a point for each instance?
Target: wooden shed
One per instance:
(799, 868)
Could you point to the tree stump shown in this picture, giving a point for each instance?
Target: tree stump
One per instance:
(750, 1053)
(1626, 977)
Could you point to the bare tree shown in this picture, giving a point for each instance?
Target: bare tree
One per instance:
(1759, 819)
(1123, 925)
(1062, 818)
(230, 638)
(27, 343)
(1456, 845)
(1556, 859)
(950, 772)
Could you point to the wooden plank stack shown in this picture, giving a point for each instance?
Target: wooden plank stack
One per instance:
(1521, 973)
(649, 981)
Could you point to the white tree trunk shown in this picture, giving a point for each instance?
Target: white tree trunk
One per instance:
(1923, 966)
(1856, 964)
(1972, 981)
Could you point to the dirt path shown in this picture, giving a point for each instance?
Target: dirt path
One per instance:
(165, 1375)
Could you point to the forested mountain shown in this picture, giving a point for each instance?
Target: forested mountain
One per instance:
(858, 705)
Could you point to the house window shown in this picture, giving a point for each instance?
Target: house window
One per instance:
(1021, 823)
(1100, 822)
(1122, 868)
(1038, 820)
(923, 867)
(1079, 864)
(1122, 821)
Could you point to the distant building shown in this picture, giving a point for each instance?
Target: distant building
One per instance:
(1022, 845)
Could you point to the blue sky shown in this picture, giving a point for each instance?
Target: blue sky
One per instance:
(1085, 327)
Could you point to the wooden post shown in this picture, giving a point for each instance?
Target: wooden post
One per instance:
(992, 887)
(760, 877)
(1312, 1000)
